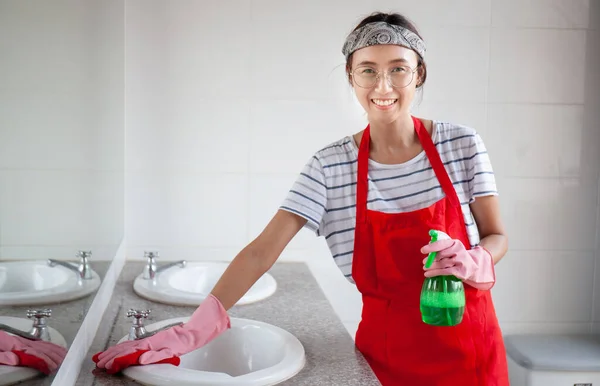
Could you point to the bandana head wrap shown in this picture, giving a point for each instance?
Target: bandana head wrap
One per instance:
(383, 33)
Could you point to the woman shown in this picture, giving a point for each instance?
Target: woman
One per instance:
(374, 196)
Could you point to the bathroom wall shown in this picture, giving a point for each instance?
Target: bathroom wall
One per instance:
(61, 129)
(228, 100)
(544, 136)
(593, 120)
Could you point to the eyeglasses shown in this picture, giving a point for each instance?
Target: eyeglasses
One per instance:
(399, 77)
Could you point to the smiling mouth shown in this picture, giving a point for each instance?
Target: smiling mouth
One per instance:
(384, 102)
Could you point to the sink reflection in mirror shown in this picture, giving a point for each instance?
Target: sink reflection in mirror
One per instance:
(29, 288)
(37, 327)
(46, 281)
(250, 353)
(189, 283)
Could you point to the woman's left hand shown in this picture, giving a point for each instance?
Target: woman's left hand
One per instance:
(475, 266)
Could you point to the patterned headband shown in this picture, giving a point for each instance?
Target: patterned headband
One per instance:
(383, 33)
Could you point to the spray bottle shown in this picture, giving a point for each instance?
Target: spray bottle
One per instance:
(442, 297)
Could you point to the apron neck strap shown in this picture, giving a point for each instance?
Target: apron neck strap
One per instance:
(362, 183)
(362, 186)
(436, 162)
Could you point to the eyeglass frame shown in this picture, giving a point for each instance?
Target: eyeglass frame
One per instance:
(386, 75)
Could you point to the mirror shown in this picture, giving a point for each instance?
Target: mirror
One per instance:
(61, 158)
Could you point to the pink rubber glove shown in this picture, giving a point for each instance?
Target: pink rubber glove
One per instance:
(475, 266)
(206, 323)
(37, 354)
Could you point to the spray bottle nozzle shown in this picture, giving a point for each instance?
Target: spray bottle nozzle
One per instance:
(434, 237)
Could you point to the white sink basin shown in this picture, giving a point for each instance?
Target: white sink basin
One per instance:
(190, 285)
(35, 283)
(251, 353)
(10, 375)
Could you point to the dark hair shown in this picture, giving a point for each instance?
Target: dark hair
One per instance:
(396, 19)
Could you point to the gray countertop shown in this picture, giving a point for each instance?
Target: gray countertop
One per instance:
(66, 317)
(298, 306)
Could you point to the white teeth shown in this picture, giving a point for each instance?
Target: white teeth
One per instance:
(383, 102)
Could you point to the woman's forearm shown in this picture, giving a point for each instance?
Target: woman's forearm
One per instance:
(496, 244)
(247, 267)
(257, 258)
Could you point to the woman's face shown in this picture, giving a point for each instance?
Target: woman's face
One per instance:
(385, 97)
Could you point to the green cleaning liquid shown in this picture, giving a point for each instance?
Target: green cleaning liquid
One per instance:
(442, 297)
(442, 301)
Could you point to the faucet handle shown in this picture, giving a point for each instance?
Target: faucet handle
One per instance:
(39, 327)
(151, 254)
(83, 255)
(38, 314)
(138, 314)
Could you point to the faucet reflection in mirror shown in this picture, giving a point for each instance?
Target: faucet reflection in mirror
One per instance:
(83, 270)
(39, 328)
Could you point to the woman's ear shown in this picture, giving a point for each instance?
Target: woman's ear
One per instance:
(421, 74)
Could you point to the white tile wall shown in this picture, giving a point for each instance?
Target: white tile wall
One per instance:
(427, 13)
(61, 100)
(46, 129)
(287, 131)
(527, 66)
(61, 129)
(545, 287)
(297, 70)
(209, 137)
(58, 212)
(517, 132)
(549, 214)
(457, 64)
(184, 209)
(225, 102)
(40, 207)
(554, 14)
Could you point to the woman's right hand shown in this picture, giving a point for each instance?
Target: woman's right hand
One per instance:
(208, 321)
(40, 355)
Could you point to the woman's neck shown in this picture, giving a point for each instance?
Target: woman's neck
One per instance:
(396, 142)
(394, 136)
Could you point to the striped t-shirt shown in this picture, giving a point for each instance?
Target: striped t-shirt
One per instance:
(325, 192)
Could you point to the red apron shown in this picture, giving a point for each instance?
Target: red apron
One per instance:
(388, 270)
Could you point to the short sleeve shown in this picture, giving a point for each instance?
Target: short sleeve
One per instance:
(481, 174)
(308, 196)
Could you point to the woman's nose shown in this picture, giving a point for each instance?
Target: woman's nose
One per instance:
(383, 84)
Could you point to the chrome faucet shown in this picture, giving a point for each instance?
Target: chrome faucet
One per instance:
(39, 329)
(83, 270)
(151, 269)
(137, 329)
